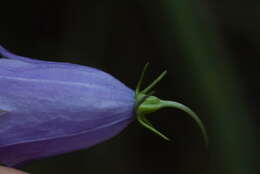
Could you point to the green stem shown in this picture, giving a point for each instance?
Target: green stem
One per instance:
(152, 104)
(193, 115)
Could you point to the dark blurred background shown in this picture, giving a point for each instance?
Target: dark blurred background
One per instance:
(210, 49)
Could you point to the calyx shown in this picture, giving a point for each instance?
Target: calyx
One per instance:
(146, 104)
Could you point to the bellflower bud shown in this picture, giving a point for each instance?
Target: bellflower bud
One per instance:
(50, 108)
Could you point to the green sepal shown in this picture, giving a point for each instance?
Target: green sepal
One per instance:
(146, 104)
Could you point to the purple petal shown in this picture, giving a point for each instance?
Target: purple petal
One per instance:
(7, 54)
(49, 108)
(18, 154)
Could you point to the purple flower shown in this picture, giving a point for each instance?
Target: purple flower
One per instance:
(50, 108)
